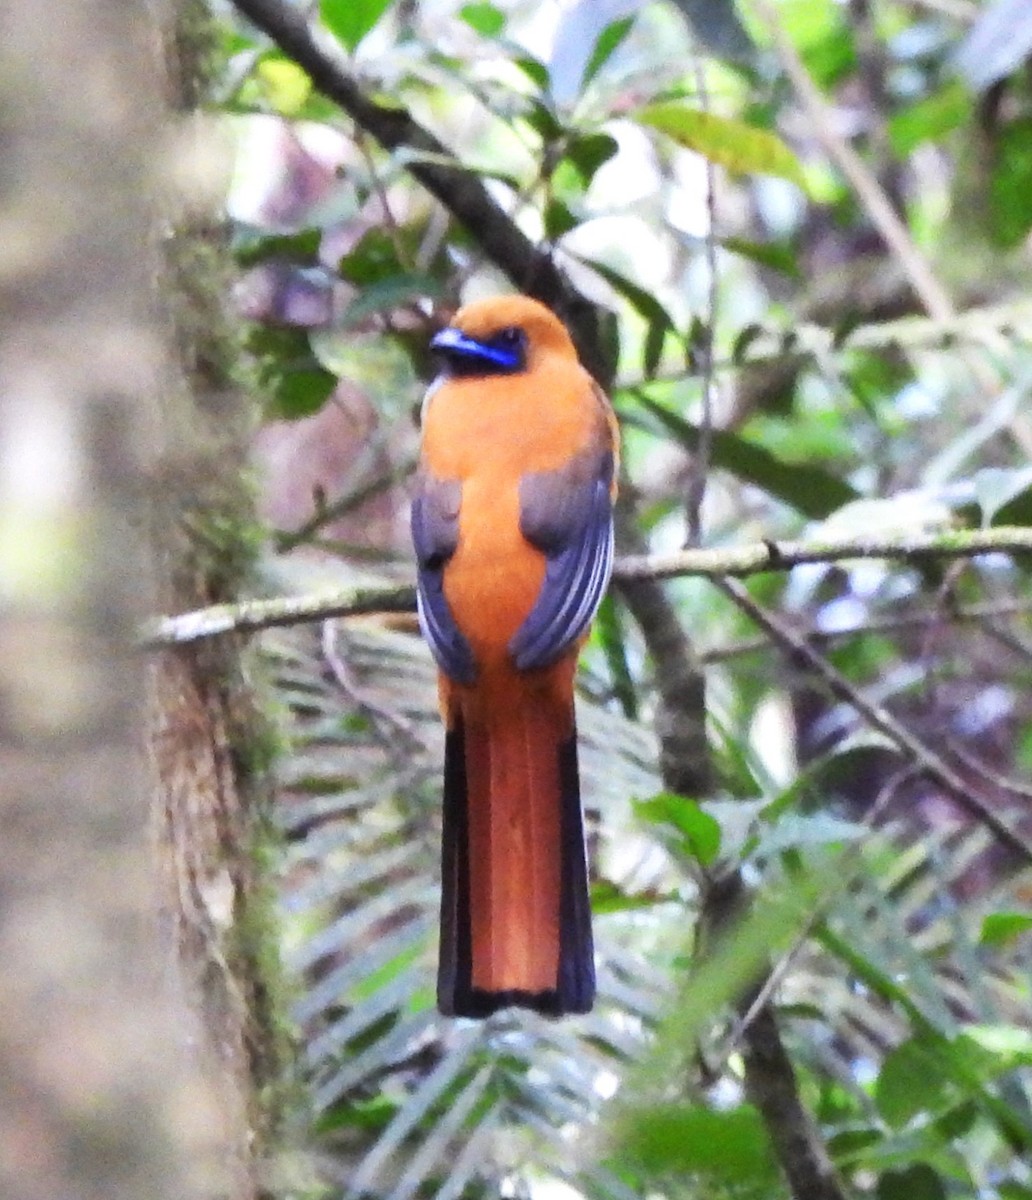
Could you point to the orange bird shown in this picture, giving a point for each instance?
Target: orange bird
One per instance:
(513, 531)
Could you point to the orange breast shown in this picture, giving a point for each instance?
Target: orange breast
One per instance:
(488, 433)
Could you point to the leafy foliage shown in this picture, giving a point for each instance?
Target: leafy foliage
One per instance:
(808, 390)
(405, 1097)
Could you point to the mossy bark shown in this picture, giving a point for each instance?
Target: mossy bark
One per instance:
(212, 742)
(99, 1098)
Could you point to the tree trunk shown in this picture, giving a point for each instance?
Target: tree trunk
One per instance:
(98, 1094)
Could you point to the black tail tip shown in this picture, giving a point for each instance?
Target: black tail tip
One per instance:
(478, 1003)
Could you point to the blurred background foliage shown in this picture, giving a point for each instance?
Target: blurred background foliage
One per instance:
(779, 372)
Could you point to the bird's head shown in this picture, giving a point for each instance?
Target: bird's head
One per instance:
(504, 335)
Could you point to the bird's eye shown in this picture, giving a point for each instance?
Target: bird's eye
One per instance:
(512, 337)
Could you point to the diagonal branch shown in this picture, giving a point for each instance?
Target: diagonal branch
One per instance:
(430, 161)
(930, 764)
(685, 758)
(884, 217)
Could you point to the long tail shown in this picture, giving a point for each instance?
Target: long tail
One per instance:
(515, 911)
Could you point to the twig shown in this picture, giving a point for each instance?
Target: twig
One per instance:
(251, 615)
(931, 764)
(844, 880)
(288, 539)
(701, 459)
(770, 1078)
(1006, 638)
(948, 615)
(389, 725)
(755, 558)
(879, 208)
(389, 220)
(752, 559)
(992, 327)
(437, 169)
(958, 10)
(997, 778)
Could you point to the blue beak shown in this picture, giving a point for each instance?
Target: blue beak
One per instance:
(453, 343)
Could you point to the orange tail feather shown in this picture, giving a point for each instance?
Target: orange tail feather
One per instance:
(516, 919)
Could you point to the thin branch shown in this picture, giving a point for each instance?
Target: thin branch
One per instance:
(288, 539)
(991, 327)
(948, 614)
(844, 880)
(701, 459)
(758, 557)
(394, 730)
(932, 766)
(958, 10)
(751, 559)
(870, 193)
(1007, 638)
(996, 778)
(679, 680)
(431, 162)
(251, 615)
(770, 1079)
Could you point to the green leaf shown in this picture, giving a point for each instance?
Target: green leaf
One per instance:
(543, 121)
(292, 382)
(351, 20)
(930, 118)
(809, 829)
(251, 247)
(1012, 496)
(535, 70)
(373, 260)
(1010, 1189)
(918, 1182)
(643, 302)
(999, 488)
(915, 1078)
(741, 148)
(832, 58)
(700, 833)
(777, 255)
(606, 45)
(728, 1147)
(1002, 927)
(589, 151)
(372, 1114)
(1010, 184)
(1007, 1046)
(607, 897)
(609, 631)
(808, 489)
(286, 85)
(486, 19)
(850, 1144)
(300, 393)
(647, 306)
(384, 973)
(558, 219)
(388, 294)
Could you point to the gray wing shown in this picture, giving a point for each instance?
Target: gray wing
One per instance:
(435, 534)
(567, 514)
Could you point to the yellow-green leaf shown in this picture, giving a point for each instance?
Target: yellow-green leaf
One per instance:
(741, 148)
(286, 85)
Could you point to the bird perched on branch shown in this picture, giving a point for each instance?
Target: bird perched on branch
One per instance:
(512, 526)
